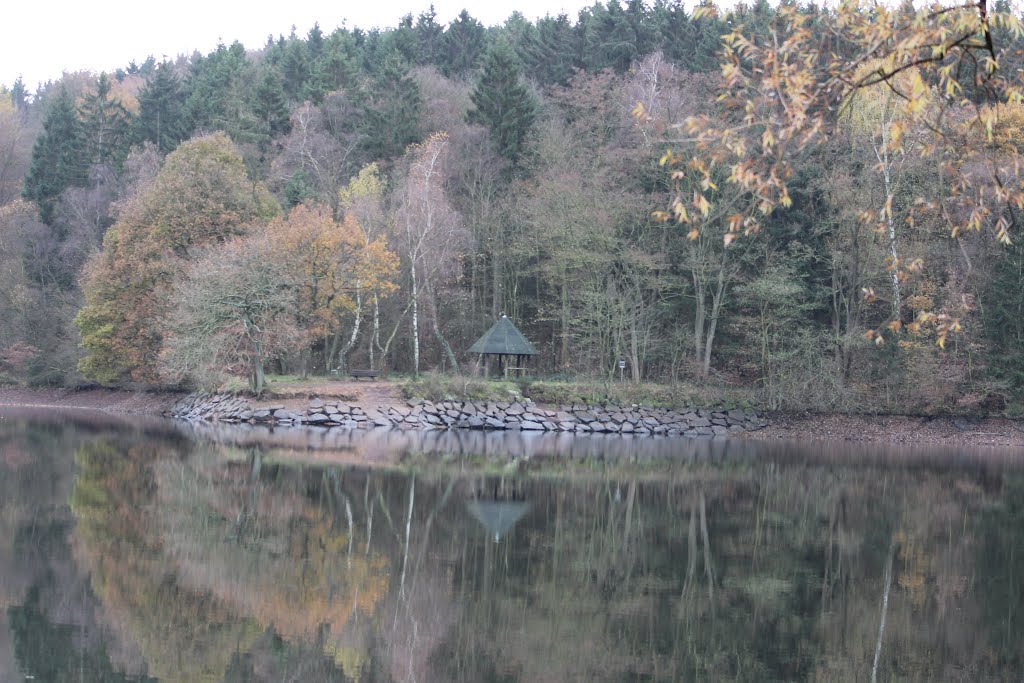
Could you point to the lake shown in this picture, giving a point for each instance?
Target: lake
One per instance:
(166, 552)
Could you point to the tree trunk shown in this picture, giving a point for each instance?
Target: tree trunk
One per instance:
(885, 611)
(431, 299)
(342, 355)
(886, 164)
(709, 570)
(496, 295)
(698, 318)
(415, 325)
(394, 330)
(882, 154)
(375, 342)
(634, 348)
(256, 379)
(446, 346)
(408, 534)
(716, 308)
(565, 323)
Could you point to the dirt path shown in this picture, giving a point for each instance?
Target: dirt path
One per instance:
(362, 392)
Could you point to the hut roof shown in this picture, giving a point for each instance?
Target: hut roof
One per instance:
(497, 516)
(503, 338)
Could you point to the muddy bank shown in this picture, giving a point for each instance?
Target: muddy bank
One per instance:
(953, 432)
(107, 400)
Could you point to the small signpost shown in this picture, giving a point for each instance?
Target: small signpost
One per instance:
(622, 369)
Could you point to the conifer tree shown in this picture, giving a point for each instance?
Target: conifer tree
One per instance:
(463, 45)
(162, 118)
(106, 125)
(59, 157)
(295, 68)
(551, 53)
(502, 102)
(429, 39)
(391, 118)
(221, 86)
(269, 103)
(19, 95)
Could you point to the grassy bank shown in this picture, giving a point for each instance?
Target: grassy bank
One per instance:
(437, 387)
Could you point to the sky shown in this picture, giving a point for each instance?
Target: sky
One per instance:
(44, 38)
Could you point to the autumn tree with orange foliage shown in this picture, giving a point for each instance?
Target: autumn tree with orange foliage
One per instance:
(334, 263)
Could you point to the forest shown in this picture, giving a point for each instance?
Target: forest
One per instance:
(377, 198)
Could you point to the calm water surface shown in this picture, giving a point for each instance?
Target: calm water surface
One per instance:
(158, 553)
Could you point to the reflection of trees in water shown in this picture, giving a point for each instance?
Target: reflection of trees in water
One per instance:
(1001, 574)
(182, 635)
(48, 619)
(260, 570)
(256, 539)
(752, 575)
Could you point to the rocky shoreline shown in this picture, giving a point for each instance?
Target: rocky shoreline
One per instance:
(483, 415)
(948, 431)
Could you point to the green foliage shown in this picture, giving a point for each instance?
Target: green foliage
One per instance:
(1002, 308)
(392, 111)
(49, 652)
(162, 117)
(60, 157)
(678, 395)
(549, 196)
(502, 103)
(107, 126)
(462, 45)
(220, 94)
(270, 105)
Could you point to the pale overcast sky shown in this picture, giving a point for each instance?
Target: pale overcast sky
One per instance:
(43, 38)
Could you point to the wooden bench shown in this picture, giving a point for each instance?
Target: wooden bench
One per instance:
(368, 374)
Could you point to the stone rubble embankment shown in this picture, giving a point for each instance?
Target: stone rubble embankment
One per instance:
(521, 415)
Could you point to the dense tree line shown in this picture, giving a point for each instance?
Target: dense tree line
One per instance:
(401, 188)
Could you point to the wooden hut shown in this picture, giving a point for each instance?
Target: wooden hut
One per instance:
(508, 344)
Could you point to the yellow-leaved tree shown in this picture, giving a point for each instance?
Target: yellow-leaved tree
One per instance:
(785, 90)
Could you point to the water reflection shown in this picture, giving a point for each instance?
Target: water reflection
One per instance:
(142, 555)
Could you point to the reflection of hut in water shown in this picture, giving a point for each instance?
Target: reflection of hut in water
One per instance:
(499, 507)
(506, 343)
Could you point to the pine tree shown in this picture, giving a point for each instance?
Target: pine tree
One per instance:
(106, 125)
(429, 39)
(19, 95)
(162, 118)
(221, 86)
(551, 53)
(391, 120)
(295, 68)
(502, 102)
(59, 158)
(708, 41)
(463, 45)
(270, 104)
